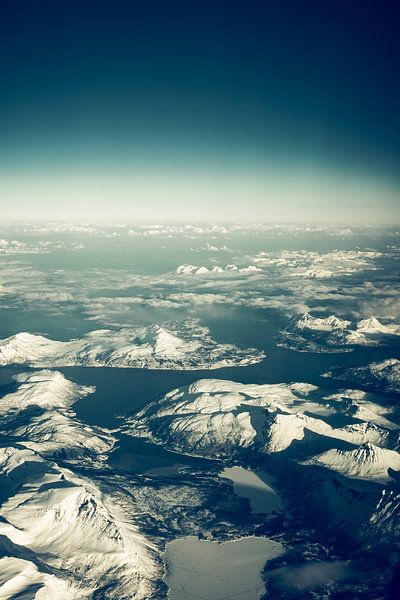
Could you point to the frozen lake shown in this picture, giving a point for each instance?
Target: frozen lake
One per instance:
(202, 569)
(262, 497)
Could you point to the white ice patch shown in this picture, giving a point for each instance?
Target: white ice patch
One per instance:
(217, 571)
(262, 497)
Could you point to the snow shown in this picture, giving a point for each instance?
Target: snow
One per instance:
(307, 321)
(372, 325)
(63, 536)
(53, 429)
(247, 484)
(306, 333)
(219, 418)
(381, 375)
(285, 429)
(384, 522)
(213, 417)
(217, 571)
(184, 345)
(47, 389)
(203, 270)
(70, 526)
(366, 462)
(22, 578)
(185, 269)
(359, 433)
(169, 345)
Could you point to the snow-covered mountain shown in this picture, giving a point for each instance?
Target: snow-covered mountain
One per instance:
(215, 417)
(374, 326)
(64, 531)
(202, 270)
(38, 415)
(306, 333)
(61, 534)
(382, 376)
(366, 462)
(307, 321)
(331, 454)
(383, 526)
(364, 407)
(219, 418)
(64, 536)
(184, 345)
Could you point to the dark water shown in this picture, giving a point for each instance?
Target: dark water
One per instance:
(90, 267)
(137, 455)
(123, 391)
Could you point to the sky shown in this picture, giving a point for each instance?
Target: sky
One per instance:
(280, 110)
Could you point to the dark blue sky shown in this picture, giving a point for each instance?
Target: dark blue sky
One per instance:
(221, 86)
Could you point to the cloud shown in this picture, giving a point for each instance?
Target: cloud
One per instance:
(288, 281)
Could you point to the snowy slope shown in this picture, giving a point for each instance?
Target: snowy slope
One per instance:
(38, 415)
(383, 526)
(382, 376)
(184, 345)
(219, 418)
(306, 321)
(306, 333)
(20, 578)
(61, 535)
(366, 462)
(195, 270)
(80, 536)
